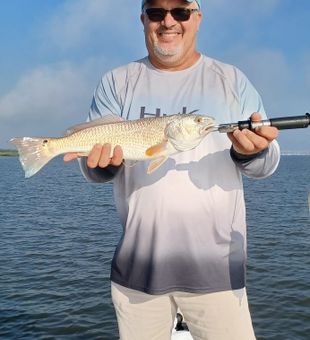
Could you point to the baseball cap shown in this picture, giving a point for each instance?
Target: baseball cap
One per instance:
(198, 2)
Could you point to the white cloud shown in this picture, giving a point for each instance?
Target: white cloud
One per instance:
(282, 84)
(78, 23)
(75, 21)
(48, 99)
(51, 97)
(229, 23)
(46, 87)
(284, 87)
(267, 69)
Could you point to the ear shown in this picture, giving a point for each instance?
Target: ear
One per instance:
(142, 18)
(199, 20)
(200, 17)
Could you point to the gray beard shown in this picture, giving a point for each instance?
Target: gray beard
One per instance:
(167, 53)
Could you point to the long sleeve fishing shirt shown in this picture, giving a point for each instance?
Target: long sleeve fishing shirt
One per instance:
(184, 226)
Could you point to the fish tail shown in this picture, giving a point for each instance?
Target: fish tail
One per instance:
(34, 153)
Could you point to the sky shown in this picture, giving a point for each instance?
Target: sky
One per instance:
(54, 52)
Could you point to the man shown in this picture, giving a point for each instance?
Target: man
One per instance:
(184, 241)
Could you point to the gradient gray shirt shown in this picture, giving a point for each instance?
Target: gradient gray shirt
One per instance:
(184, 225)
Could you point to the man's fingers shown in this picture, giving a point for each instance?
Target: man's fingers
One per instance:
(259, 142)
(105, 156)
(248, 142)
(117, 157)
(256, 117)
(94, 156)
(243, 144)
(268, 132)
(100, 155)
(236, 145)
(70, 156)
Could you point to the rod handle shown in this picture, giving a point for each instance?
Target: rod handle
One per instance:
(282, 123)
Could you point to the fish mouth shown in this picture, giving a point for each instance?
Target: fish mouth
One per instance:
(208, 128)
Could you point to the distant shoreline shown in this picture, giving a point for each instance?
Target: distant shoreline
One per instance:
(295, 153)
(8, 153)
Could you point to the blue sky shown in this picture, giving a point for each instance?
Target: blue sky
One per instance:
(54, 52)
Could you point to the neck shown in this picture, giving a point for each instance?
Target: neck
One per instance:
(168, 64)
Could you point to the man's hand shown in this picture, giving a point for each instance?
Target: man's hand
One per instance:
(100, 156)
(248, 142)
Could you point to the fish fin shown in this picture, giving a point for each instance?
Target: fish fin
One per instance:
(156, 149)
(156, 163)
(108, 119)
(33, 153)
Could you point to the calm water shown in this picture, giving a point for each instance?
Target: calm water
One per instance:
(58, 235)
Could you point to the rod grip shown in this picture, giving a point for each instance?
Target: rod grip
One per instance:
(293, 122)
(281, 123)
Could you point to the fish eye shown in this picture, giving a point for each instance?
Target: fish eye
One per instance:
(199, 119)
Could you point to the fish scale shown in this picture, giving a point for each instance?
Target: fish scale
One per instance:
(133, 136)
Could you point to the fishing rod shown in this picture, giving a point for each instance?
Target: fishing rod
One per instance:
(281, 123)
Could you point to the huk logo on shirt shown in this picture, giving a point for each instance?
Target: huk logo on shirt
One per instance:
(158, 113)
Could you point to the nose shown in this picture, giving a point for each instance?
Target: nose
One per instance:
(168, 20)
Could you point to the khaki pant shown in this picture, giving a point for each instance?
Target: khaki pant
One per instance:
(214, 316)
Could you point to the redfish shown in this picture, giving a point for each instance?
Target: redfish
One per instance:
(142, 139)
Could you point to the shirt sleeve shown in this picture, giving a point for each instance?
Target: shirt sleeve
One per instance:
(260, 165)
(265, 163)
(105, 101)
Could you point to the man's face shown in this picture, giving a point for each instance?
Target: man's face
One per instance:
(171, 44)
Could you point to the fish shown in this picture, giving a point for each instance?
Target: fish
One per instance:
(154, 138)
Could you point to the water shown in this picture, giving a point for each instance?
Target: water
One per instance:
(58, 235)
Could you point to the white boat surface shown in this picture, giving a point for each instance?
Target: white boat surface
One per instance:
(180, 330)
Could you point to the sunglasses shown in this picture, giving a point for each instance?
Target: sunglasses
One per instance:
(178, 14)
